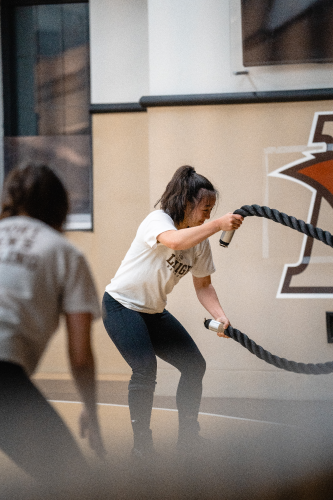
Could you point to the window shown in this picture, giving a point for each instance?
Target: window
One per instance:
(47, 95)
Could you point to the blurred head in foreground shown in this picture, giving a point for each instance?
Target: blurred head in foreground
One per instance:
(36, 191)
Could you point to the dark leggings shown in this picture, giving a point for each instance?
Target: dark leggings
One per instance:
(33, 435)
(140, 337)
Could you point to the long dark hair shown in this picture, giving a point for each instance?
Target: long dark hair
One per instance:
(186, 188)
(37, 191)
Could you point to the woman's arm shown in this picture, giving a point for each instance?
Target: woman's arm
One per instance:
(83, 370)
(208, 298)
(182, 239)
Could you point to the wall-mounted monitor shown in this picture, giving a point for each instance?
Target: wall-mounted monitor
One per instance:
(286, 32)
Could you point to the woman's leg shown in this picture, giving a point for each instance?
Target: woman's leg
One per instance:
(173, 344)
(33, 435)
(129, 333)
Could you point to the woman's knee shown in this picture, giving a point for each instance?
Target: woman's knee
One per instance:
(194, 366)
(200, 365)
(143, 380)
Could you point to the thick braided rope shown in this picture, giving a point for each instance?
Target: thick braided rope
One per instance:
(286, 220)
(244, 340)
(284, 364)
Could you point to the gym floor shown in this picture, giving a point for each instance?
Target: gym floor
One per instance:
(258, 449)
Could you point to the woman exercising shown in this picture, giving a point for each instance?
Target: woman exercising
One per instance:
(42, 276)
(169, 243)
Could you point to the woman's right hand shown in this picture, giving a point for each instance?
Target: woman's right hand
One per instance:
(230, 221)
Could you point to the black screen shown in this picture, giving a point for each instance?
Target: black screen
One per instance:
(287, 31)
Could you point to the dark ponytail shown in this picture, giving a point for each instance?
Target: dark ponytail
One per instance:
(186, 188)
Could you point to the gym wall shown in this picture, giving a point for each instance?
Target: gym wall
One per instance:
(236, 146)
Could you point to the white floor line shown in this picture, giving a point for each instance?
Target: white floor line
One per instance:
(200, 413)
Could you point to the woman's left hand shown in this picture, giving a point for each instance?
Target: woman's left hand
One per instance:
(224, 320)
(89, 428)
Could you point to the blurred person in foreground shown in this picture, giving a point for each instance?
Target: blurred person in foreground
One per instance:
(43, 276)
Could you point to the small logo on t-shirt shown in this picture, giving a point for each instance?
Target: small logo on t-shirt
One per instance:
(178, 268)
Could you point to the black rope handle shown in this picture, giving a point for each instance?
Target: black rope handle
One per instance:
(244, 340)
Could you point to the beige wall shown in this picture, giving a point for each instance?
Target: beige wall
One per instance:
(121, 201)
(235, 147)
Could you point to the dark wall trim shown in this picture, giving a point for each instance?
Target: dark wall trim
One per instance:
(237, 98)
(126, 107)
(206, 99)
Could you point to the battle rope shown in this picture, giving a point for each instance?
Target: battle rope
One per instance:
(286, 220)
(244, 340)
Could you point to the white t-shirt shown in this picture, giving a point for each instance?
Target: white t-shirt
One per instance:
(150, 270)
(42, 275)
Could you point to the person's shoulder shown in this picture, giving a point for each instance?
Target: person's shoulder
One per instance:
(16, 222)
(158, 215)
(25, 226)
(155, 220)
(62, 252)
(155, 214)
(62, 242)
(49, 238)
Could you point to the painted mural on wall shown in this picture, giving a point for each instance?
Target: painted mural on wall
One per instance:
(315, 172)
